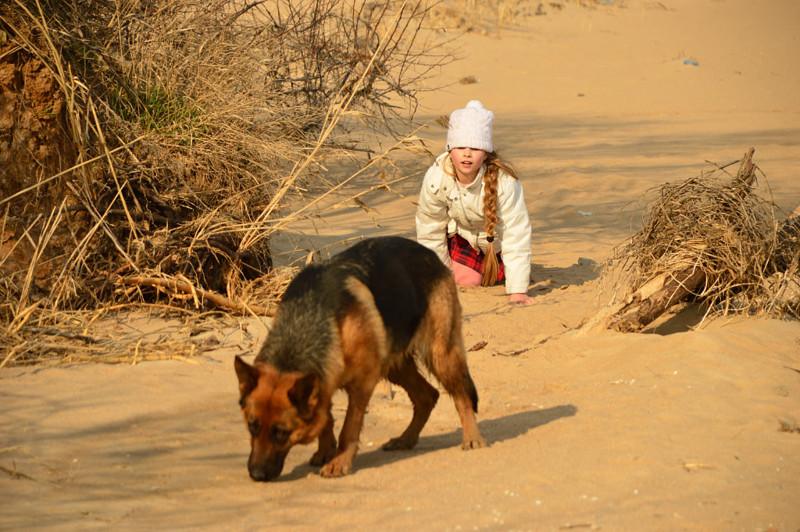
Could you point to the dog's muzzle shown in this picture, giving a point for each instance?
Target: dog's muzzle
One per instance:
(267, 470)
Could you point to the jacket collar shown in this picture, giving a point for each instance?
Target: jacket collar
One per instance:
(475, 182)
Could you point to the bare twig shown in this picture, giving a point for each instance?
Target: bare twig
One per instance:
(177, 286)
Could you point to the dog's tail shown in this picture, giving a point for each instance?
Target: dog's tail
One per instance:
(454, 376)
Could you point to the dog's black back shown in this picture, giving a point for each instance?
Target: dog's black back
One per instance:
(400, 273)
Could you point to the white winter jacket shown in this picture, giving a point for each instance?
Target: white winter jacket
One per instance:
(447, 207)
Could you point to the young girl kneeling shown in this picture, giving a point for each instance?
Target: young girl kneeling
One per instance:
(472, 211)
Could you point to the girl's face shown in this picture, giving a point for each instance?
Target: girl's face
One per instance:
(467, 162)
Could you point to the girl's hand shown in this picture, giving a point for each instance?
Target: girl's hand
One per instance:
(520, 299)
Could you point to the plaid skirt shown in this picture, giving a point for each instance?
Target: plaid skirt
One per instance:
(463, 253)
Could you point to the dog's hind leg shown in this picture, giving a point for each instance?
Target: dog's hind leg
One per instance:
(327, 444)
(447, 360)
(423, 396)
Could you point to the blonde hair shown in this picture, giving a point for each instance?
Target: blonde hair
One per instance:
(494, 165)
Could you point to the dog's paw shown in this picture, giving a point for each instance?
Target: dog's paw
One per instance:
(322, 457)
(399, 444)
(473, 443)
(335, 468)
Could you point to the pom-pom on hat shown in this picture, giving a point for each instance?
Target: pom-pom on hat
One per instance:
(471, 127)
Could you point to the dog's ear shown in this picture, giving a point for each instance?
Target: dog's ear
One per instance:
(248, 378)
(304, 395)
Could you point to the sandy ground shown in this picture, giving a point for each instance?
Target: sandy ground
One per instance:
(676, 429)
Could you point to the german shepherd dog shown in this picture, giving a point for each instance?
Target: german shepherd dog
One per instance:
(374, 311)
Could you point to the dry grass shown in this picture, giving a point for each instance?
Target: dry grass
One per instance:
(715, 223)
(110, 336)
(189, 125)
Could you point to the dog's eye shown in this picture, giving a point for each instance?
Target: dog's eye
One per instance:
(254, 426)
(279, 434)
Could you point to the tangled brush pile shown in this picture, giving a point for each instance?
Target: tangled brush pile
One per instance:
(718, 243)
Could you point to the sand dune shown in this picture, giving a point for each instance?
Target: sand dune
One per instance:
(683, 428)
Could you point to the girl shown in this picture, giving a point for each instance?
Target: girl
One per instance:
(471, 209)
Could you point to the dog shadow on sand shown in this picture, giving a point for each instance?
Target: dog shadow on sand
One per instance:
(493, 430)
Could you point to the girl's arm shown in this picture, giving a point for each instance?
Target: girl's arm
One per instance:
(516, 244)
(432, 217)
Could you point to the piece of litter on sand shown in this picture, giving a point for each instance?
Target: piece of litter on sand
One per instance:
(691, 62)
(510, 353)
(696, 466)
(585, 213)
(478, 346)
(543, 284)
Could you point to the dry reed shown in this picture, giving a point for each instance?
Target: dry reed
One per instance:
(186, 126)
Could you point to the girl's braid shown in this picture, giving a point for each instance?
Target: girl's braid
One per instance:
(494, 165)
(490, 198)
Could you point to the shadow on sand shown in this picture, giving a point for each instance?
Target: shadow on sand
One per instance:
(678, 321)
(546, 279)
(494, 430)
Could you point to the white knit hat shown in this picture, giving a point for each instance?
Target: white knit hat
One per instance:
(471, 127)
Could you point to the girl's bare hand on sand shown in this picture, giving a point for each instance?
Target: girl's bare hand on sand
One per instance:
(520, 299)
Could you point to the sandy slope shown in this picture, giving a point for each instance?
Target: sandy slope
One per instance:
(666, 431)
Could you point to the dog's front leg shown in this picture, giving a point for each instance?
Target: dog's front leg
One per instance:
(327, 443)
(357, 401)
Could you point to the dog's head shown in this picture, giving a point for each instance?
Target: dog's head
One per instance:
(280, 410)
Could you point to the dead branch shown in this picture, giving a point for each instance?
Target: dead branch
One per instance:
(746, 175)
(177, 287)
(711, 240)
(656, 297)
